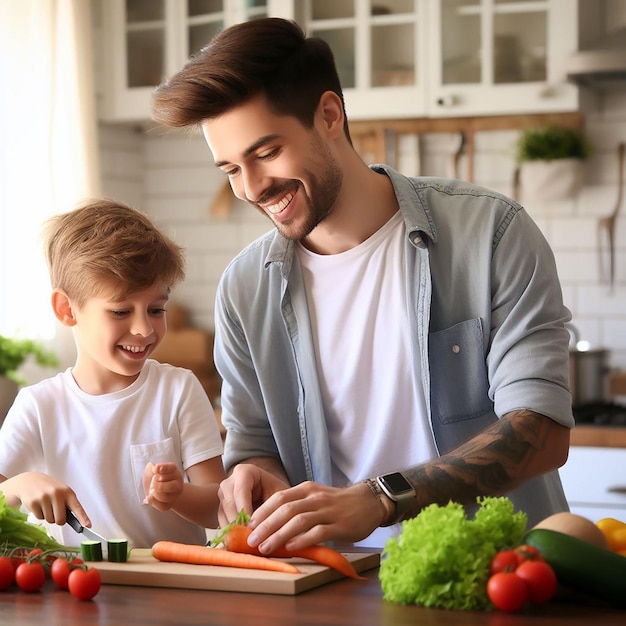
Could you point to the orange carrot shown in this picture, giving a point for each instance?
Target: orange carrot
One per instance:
(201, 555)
(236, 540)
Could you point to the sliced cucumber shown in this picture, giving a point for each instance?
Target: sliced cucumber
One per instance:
(91, 550)
(117, 550)
(582, 566)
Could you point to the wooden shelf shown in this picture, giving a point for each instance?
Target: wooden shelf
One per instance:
(378, 137)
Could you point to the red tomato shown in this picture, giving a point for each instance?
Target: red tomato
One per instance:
(527, 553)
(60, 572)
(30, 576)
(18, 557)
(540, 580)
(84, 584)
(504, 561)
(7, 573)
(507, 591)
(61, 568)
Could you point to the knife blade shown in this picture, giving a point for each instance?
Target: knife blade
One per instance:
(72, 520)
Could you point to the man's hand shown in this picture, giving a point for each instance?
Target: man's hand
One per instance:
(310, 513)
(163, 485)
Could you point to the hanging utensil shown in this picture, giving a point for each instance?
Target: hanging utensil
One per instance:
(460, 141)
(222, 204)
(607, 267)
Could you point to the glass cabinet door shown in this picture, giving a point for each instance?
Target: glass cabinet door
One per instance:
(377, 45)
(495, 57)
(493, 41)
(374, 41)
(145, 42)
(205, 18)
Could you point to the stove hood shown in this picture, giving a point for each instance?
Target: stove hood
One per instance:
(603, 61)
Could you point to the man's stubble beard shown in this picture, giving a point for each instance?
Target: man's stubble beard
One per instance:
(325, 182)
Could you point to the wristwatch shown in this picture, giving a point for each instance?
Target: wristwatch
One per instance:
(398, 489)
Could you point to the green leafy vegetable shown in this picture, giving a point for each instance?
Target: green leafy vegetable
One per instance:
(441, 558)
(16, 532)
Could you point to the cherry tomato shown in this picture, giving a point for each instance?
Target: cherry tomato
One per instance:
(504, 561)
(61, 568)
(540, 580)
(84, 584)
(18, 557)
(30, 576)
(507, 591)
(60, 572)
(7, 573)
(527, 553)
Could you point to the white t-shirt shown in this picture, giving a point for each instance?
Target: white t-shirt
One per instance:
(358, 305)
(100, 444)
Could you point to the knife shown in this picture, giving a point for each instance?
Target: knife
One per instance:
(72, 520)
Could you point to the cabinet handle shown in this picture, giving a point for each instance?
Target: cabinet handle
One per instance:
(617, 489)
(448, 101)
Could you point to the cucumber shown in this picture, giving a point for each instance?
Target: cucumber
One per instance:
(117, 550)
(582, 566)
(91, 550)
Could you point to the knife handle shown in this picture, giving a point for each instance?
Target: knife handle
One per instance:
(72, 520)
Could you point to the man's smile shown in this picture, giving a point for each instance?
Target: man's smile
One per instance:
(279, 206)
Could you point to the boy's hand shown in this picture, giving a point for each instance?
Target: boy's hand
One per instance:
(44, 496)
(163, 484)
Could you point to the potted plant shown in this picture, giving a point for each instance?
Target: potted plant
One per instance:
(13, 353)
(550, 161)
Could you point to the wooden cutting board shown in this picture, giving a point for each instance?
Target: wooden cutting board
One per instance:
(143, 570)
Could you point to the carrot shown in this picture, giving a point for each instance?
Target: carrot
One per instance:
(201, 555)
(236, 540)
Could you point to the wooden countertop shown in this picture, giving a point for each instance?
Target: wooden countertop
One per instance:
(600, 436)
(603, 436)
(342, 603)
(617, 384)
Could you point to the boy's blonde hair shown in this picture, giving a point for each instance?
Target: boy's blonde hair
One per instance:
(108, 246)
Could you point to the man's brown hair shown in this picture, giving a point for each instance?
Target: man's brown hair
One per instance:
(106, 245)
(269, 56)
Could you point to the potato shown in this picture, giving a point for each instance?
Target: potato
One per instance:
(576, 526)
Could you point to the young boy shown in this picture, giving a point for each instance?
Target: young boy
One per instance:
(120, 439)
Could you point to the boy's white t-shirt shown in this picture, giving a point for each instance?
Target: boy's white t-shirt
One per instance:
(99, 445)
(375, 408)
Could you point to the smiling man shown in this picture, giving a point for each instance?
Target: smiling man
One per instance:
(393, 342)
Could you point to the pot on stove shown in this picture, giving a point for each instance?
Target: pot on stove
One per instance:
(588, 369)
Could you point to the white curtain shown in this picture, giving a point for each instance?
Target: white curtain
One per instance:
(48, 147)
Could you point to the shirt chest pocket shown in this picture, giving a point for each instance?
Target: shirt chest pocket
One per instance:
(157, 452)
(458, 373)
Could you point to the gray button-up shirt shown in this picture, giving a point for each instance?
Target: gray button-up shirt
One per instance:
(488, 332)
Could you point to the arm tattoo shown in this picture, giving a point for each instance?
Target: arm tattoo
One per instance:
(494, 462)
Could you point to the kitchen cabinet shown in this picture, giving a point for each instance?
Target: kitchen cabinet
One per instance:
(594, 480)
(451, 58)
(396, 58)
(501, 56)
(144, 41)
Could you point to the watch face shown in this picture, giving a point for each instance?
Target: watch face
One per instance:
(396, 483)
